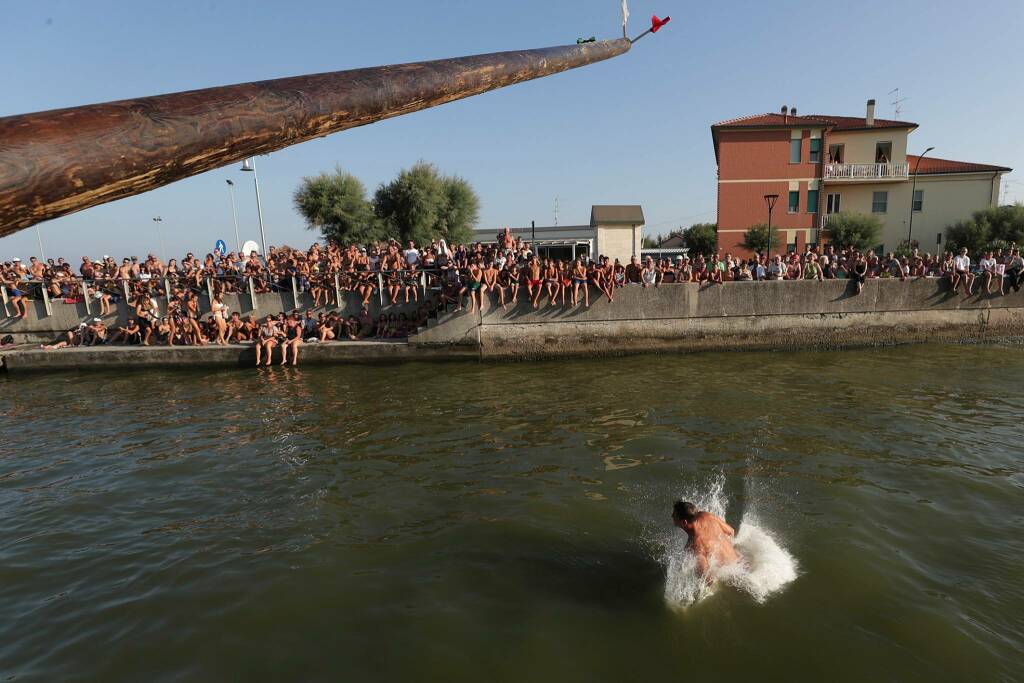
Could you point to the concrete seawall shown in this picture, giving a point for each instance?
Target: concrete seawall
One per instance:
(41, 327)
(736, 316)
(672, 318)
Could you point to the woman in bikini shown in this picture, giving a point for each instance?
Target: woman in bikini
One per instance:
(267, 339)
(218, 309)
(192, 320)
(292, 340)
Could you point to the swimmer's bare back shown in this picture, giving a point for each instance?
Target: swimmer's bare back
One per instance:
(710, 538)
(711, 542)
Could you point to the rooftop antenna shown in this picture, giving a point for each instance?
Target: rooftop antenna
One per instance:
(1007, 184)
(897, 103)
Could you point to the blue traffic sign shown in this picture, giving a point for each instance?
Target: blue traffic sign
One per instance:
(221, 247)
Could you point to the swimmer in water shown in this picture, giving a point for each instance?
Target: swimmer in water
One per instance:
(710, 538)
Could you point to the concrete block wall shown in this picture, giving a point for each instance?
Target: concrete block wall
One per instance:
(40, 327)
(766, 315)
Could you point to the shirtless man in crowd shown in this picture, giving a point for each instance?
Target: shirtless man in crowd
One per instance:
(710, 538)
(534, 281)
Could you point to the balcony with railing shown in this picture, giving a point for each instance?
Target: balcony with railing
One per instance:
(867, 172)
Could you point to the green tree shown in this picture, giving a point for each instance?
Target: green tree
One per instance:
(971, 234)
(1006, 223)
(756, 238)
(702, 238)
(336, 205)
(856, 230)
(994, 228)
(422, 205)
(652, 242)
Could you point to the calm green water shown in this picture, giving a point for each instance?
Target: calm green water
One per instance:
(511, 522)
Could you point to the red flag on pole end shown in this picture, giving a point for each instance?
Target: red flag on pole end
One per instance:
(657, 23)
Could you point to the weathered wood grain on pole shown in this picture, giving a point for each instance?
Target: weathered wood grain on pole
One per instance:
(57, 162)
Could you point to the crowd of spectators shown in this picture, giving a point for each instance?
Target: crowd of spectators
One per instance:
(432, 278)
(995, 271)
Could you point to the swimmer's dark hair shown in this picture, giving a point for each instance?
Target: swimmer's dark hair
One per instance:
(684, 511)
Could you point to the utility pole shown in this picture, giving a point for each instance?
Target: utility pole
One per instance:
(770, 200)
(913, 192)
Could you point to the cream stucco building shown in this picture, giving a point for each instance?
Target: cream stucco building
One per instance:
(869, 171)
(816, 166)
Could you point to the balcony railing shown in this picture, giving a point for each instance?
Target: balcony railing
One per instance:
(867, 171)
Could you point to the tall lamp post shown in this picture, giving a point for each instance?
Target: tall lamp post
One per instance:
(770, 200)
(39, 236)
(913, 192)
(234, 217)
(163, 251)
(249, 166)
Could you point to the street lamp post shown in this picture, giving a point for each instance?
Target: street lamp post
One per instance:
(917, 166)
(770, 200)
(163, 251)
(234, 217)
(39, 236)
(249, 166)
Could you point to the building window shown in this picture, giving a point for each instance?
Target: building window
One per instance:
(918, 201)
(883, 153)
(834, 203)
(879, 202)
(794, 201)
(836, 154)
(815, 150)
(812, 201)
(794, 151)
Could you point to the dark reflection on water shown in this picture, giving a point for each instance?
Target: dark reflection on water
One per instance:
(460, 521)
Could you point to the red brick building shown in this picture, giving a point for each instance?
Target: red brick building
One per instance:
(821, 165)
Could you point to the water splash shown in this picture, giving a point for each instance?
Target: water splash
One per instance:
(765, 569)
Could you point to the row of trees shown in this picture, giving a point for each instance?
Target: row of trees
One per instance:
(420, 204)
(989, 229)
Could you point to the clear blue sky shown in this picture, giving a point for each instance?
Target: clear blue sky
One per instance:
(631, 130)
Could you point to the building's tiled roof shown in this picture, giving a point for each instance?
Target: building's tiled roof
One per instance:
(629, 214)
(861, 123)
(812, 120)
(933, 166)
(758, 120)
(825, 121)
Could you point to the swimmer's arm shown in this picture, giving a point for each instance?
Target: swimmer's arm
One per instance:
(726, 529)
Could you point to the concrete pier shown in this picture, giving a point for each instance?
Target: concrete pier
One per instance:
(677, 318)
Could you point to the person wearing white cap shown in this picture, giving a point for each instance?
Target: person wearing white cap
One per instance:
(96, 333)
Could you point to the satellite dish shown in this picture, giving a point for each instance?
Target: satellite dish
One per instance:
(249, 247)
